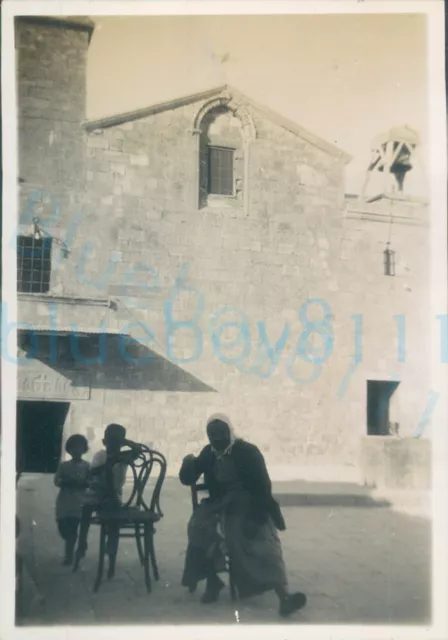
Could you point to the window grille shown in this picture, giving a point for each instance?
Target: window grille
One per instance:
(33, 264)
(220, 171)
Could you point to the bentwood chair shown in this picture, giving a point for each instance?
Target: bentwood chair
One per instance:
(197, 489)
(135, 518)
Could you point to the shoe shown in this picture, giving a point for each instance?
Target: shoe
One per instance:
(212, 592)
(291, 604)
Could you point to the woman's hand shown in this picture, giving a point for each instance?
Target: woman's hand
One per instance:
(190, 470)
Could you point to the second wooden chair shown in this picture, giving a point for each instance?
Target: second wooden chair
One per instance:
(135, 518)
(197, 489)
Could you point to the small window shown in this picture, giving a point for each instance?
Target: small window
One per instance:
(220, 171)
(379, 395)
(33, 264)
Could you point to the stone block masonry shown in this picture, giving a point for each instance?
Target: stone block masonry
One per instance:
(173, 262)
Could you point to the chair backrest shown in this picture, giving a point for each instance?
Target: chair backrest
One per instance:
(149, 464)
(196, 489)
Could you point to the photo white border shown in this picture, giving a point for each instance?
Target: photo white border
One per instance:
(434, 10)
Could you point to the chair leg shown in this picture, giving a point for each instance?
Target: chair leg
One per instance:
(233, 595)
(99, 577)
(152, 553)
(146, 547)
(138, 540)
(113, 540)
(76, 563)
(233, 592)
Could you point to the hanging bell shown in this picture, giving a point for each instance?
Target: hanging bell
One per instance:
(402, 163)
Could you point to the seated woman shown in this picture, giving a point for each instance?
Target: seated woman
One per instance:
(242, 506)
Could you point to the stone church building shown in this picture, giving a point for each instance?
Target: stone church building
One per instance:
(201, 256)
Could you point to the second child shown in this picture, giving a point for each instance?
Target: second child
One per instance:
(72, 480)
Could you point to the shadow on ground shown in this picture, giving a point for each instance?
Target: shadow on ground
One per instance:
(357, 566)
(326, 494)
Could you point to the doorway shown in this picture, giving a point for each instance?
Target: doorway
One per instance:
(379, 394)
(40, 427)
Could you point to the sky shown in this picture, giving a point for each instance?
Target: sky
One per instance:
(346, 78)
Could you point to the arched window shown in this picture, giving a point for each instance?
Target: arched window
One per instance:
(221, 158)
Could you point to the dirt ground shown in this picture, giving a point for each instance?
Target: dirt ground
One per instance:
(358, 563)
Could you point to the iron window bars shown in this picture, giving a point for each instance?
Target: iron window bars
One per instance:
(33, 264)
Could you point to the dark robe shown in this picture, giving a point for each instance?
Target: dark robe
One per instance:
(249, 517)
(253, 475)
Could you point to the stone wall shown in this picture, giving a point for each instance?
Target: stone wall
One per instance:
(144, 241)
(391, 463)
(51, 72)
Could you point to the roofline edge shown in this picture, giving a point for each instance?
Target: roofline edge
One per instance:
(137, 114)
(115, 120)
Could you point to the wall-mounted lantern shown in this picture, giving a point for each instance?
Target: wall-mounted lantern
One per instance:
(39, 233)
(389, 261)
(36, 230)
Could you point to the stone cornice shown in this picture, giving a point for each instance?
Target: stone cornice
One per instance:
(395, 208)
(401, 218)
(396, 197)
(48, 298)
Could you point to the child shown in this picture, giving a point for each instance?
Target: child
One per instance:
(114, 461)
(108, 476)
(72, 480)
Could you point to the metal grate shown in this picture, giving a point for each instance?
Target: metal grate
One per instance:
(220, 171)
(33, 264)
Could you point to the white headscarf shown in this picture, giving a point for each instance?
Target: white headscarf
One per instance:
(223, 418)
